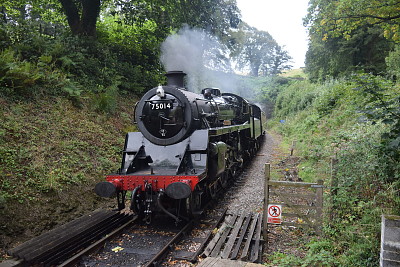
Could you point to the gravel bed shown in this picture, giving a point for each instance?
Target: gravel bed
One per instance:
(247, 194)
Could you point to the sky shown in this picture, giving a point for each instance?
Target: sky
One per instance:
(283, 20)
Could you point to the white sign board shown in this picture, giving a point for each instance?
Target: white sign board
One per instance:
(274, 214)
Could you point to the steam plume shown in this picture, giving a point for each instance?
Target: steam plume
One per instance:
(201, 57)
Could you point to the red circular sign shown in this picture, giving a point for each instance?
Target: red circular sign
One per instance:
(274, 211)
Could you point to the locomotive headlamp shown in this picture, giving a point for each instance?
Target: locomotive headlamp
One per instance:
(160, 92)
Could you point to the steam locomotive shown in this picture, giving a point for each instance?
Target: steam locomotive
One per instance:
(189, 147)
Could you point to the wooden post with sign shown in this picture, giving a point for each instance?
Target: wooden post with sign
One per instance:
(267, 174)
(303, 207)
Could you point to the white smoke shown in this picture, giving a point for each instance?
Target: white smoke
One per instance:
(201, 57)
(184, 51)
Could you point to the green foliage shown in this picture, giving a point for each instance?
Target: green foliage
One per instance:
(393, 63)
(37, 155)
(264, 90)
(76, 67)
(268, 88)
(320, 254)
(355, 120)
(307, 171)
(284, 260)
(290, 100)
(24, 79)
(350, 35)
(366, 50)
(215, 16)
(382, 105)
(343, 17)
(105, 99)
(17, 76)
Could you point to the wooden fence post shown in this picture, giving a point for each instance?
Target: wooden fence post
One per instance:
(266, 201)
(292, 148)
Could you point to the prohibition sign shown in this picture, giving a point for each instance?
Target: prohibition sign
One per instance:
(274, 211)
(274, 214)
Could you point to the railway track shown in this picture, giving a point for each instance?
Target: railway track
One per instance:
(106, 238)
(110, 238)
(161, 243)
(155, 244)
(63, 245)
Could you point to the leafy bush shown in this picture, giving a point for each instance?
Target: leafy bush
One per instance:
(355, 120)
(34, 64)
(104, 99)
(284, 260)
(24, 79)
(382, 104)
(17, 76)
(393, 63)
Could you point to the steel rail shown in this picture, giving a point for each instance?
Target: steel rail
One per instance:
(98, 244)
(87, 238)
(61, 244)
(168, 247)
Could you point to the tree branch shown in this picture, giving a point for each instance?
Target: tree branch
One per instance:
(371, 16)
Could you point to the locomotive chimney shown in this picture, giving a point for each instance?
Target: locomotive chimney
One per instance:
(175, 78)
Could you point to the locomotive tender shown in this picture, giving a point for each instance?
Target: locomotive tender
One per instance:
(189, 147)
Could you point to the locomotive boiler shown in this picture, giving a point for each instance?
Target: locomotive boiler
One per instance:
(188, 147)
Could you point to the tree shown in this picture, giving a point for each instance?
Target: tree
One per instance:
(342, 41)
(215, 16)
(278, 62)
(13, 10)
(259, 52)
(82, 15)
(344, 17)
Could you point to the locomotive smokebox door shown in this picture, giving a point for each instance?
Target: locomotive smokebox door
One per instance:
(178, 190)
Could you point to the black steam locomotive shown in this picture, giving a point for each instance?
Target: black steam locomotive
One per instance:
(189, 147)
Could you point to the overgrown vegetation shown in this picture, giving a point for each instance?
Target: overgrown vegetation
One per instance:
(351, 35)
(345, 119)
(355, 122)
(75, 67)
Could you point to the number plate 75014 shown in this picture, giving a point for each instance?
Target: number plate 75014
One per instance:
(161, 105)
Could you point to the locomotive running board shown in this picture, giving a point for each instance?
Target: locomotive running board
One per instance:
(228, 129)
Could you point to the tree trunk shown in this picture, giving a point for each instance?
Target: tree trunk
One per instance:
(254, 68)
(4, 15)
(84, 24)
(90, 13)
